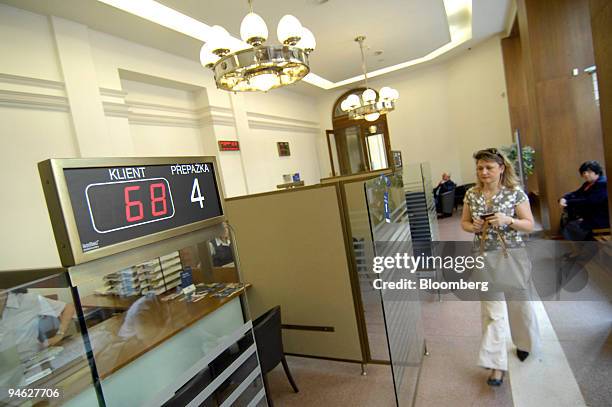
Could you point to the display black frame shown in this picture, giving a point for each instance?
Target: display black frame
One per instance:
(61, 211)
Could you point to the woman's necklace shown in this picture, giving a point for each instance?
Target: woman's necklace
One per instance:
(488, 196)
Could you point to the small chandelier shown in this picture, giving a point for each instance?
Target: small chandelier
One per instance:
(367, 106)
(239, 67)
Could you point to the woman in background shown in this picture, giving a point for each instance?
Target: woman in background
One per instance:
(498, 198)
(587, 207)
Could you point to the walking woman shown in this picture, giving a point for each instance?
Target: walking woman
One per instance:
(498, 198)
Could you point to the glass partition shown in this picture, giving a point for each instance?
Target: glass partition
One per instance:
(159, 320)
(363, 253)
(41, 346)
(390, 225)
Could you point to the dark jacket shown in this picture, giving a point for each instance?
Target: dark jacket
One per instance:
(590, 204)
(444, 187)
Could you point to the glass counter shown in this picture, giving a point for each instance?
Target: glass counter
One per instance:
(168, 330)
(41, 346)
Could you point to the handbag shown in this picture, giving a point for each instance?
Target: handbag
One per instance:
(505, 269)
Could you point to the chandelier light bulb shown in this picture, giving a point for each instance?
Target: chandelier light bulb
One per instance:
(264, 81)
(253, 29)
(289, 30)
(386, 93)
(372, 116)
(307, 42)
(207, 58)
(353, 100)
(344, 105)
(219, 41)
(369, 96)
(395, 94)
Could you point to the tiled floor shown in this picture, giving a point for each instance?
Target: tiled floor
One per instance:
(450, 376)
(450, 229)
(327, 383)
(572, 370)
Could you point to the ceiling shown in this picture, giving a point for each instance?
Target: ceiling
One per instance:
(403, 30)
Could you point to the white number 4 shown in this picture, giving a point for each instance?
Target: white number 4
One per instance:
(196, 195)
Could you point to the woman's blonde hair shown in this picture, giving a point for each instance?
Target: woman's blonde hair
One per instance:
(508, 177)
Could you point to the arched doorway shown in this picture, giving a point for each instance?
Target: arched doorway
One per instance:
(357, 146)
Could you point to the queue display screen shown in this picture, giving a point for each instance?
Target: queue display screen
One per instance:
(116, 204)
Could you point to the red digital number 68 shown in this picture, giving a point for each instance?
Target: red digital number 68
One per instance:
(156, 201)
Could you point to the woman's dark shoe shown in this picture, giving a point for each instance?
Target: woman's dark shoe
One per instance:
(496, 382)
(522, 355)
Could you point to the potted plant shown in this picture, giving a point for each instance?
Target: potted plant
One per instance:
(528, 158)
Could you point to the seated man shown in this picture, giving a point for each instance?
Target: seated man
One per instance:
(444, 185)
(587, 207)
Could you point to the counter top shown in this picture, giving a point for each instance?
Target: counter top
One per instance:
(119, 340)
(122, 338)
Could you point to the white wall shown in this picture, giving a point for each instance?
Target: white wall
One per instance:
(281, 112)
(446, 111)
(478, 106)
(68, 91)
(142, 101)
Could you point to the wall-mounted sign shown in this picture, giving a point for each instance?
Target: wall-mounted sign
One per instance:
(229, 145)
(283, 149)
(104, 206)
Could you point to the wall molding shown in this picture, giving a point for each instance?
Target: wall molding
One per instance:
(115, 93)
(269, 117)
(161, 120)
(219, 109)
(210, 115)
(30, 81)
(266, 125)
(151, 114)
(181, 117)
(163, 108)
(28, 100)
(217, 115)
(114, 109)
(207, 117)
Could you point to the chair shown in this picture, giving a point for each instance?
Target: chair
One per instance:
(447, 202)
(269, 341)
(460, 193)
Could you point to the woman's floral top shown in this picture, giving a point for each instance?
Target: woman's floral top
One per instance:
(505, 201)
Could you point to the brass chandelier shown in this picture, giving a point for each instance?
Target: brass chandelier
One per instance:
(240, 67)
(369, 105)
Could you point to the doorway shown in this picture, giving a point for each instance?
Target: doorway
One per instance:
(357, 146)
